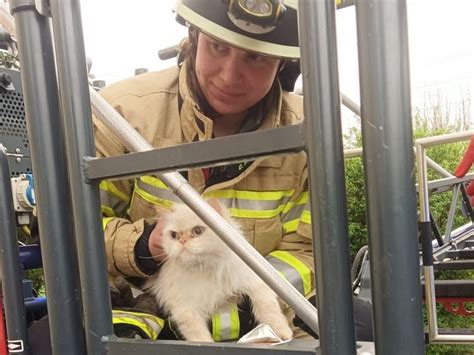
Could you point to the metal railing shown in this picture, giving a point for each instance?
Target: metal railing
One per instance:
(382, 31)
(428, 269)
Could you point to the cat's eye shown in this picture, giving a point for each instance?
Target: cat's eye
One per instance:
(174, 235)
(197, 231)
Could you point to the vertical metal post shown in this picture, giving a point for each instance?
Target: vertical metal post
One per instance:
(47, 149)
(389, 173)
(10, 262)
(326, 170)
(76, 110)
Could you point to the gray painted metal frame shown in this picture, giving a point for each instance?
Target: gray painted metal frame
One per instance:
(317, 29)
(78, 133)
(198, 154)
(295, 347)
(382, 34)
(40, 93)
(10, 270)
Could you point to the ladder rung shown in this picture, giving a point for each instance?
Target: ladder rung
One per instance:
(245, 146)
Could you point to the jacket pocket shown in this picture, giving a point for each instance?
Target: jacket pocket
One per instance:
(264, 234)
(268, 233)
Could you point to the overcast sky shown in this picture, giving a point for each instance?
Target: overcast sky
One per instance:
(122, 35)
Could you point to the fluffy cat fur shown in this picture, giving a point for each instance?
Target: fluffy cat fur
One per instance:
(202, 275)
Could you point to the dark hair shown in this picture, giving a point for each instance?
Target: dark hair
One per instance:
(188, 51)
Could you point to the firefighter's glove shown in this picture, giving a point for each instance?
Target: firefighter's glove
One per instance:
(122, 298)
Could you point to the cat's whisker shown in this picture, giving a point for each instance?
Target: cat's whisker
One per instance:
(153, 256)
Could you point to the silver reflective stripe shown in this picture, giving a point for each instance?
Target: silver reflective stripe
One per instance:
(226, 324)
(295, 212)
(115, 203)
(258, 205)
(289, 273)
(164, 194)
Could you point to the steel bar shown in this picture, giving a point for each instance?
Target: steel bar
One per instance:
(75, 107)
(10, 271)
(327, 185)
(40, 91)
(388, 164)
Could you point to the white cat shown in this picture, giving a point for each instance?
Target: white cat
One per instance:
(202, 274)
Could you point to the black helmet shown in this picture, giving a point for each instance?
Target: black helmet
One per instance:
(269, 27)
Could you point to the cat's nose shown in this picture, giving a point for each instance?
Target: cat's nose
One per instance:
(184, 238)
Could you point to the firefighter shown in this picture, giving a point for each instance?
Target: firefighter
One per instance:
(234, 74)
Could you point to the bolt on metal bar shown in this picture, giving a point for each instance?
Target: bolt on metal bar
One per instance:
(388, 164)
(317, 29)
(76, 112)
(10, 271)
(40, 93)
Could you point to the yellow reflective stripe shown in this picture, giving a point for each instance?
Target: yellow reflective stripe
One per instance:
(148, 323)
(226, 324)
(216, 327)
(302, 269)
(295, 212)
(153, 181)
(249, 195)
(108, 211)
(152, 198)
(306, 217)
(291, 226)
(111, 188)
(105, 221)
(301, 200)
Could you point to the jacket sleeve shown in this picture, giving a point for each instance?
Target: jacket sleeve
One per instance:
(120, 234)
(294, 257)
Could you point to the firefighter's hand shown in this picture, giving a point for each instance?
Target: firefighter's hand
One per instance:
(155, 242)
(466, 162)
(122, 298)
(121, 293)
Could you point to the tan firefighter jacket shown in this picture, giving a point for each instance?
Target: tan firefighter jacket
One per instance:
(269, 197)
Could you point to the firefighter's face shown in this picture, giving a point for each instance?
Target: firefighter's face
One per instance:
(231, 79)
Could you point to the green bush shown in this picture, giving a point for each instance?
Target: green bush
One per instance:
(445, 155)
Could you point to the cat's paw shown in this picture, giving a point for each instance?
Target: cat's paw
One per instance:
(283, 330)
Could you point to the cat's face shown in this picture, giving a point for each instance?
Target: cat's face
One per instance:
(187, 238)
